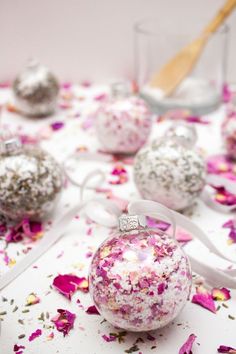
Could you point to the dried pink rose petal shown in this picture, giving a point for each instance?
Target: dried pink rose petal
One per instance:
(17, 348)
(182, 235)
(225, 349)
(109, 338)
(64, 321)
(68, 284)
(226, 93)
(57, 125)
(35, 335)
(30, 229)
(32, 299)
(159, 224)
(187, 346)
(221, 294)
(119, 174)
(204, 299)
(231, 224)
(92, 310)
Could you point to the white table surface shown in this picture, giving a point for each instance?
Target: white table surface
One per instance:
(69, 254)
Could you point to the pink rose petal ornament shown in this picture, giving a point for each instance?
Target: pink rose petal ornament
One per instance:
(140, 278)
(123, 123)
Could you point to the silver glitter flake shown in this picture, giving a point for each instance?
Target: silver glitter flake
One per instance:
(170, 174)
(36, 91)
(30, 182)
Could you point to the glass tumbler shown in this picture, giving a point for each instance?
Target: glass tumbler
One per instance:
(156, 42)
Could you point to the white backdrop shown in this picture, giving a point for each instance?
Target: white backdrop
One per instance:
(88, 39)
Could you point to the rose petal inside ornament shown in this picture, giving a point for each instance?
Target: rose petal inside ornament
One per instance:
(123, 125)
(140, 280)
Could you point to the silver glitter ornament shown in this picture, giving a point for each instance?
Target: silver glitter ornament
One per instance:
(169, 173)
(30, 181)
(183, 133)
(36, 91)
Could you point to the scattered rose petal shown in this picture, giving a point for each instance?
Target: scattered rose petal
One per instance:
(17, 348)
(119, 174)
(187, 346)
(101, 97)
(67, 284)
(109, 338)
(50, 336)
(150, 337)
(222, 294)
(182, 235)
(159, 224)
(57, 125)
(225, 349)
(222, 165)
(224, 197)
(231, 224)
(204, 299)
(64, 321)
(92, 310)
(32, 299)
(35, 335)
(226, 93)
(31, 229)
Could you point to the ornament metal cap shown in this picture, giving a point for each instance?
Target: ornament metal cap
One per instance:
(131, 222)
(120, 89)
(10, 145)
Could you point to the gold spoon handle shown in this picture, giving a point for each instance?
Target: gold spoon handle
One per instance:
(224, 12)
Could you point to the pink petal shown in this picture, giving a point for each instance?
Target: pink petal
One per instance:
(64, 321)
(187, 346)
(109, 338)
(182, 235)
(204, 300)
(225, 349)
(35, 335)
(222, 294)
(57, 125)
(92, 310)
(68, 284)
(18, 347)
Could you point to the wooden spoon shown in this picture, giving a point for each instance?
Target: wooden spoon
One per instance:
(172, 73)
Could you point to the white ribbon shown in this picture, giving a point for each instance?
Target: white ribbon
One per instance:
(108, 216)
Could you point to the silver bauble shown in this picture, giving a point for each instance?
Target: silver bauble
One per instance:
(30, 181)
(36, 91)
(169, 173)
(183, 133)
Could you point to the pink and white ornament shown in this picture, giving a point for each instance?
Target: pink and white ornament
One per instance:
(229, 133)
(140, 279)
(123, 124)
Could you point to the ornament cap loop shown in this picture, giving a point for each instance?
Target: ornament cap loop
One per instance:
(131, 222)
